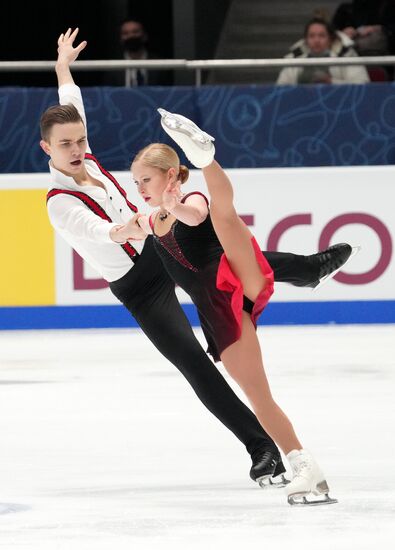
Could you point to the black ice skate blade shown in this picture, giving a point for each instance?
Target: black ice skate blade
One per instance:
(293, 500)
(268, 482)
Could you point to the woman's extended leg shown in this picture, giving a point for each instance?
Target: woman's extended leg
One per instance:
(243, 358)
(237, 244)
(232, 233)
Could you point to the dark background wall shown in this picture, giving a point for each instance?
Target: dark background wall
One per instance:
(210, 17)
(177, 28)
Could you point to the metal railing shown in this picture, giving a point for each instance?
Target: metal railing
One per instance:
(196, 65)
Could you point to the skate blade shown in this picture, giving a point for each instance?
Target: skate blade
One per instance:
(268, 482)
(324, 280)
(174, 124)
(301, 500)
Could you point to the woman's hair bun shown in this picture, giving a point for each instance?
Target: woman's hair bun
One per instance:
(183, 174)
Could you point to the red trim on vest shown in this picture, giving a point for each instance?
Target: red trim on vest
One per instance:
(96, 209)
(86, 199)
(89, 156)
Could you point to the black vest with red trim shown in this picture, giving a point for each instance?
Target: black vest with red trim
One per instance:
(95, 207)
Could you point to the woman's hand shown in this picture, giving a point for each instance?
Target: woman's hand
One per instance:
(130, 231)
(171, 195)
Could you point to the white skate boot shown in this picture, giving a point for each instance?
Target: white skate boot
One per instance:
(308, 480)
(196, 144)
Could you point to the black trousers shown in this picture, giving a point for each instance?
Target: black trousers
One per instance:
(149, 294)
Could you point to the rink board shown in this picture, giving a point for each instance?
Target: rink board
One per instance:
(276, 313)
(44, 284)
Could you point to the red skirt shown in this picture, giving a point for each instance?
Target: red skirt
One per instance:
(220, 308)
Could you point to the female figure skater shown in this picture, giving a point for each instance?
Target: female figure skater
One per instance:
(215, 259)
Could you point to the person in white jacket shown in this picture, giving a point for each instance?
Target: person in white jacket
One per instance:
(321, 40)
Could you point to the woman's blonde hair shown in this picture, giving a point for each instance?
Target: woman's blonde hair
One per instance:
(163, 157)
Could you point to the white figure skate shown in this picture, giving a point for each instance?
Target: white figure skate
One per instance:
(308, 480)
(196, 144)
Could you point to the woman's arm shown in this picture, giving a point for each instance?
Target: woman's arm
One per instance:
(143, 222)
(191, 212)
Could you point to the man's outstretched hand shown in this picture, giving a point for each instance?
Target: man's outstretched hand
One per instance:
(67, 53)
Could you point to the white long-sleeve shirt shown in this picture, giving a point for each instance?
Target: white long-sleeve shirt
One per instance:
(84, 230)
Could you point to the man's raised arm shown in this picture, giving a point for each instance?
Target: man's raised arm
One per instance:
(69, 92)
(67, 54)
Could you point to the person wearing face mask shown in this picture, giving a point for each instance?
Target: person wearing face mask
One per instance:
(133, 39)
(321, 40)
(134, 43)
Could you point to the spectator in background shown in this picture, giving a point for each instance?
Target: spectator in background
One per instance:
(133, 39)
(369, 23)
(321, 40)
(134, 43)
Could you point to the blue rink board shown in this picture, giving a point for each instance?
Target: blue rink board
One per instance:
(276, 313)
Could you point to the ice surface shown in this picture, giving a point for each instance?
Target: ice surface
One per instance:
(105, 446)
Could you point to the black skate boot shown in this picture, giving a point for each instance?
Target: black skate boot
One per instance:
(266, 465)
(330, 261)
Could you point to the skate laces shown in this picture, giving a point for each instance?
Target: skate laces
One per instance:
(303, 465)
(265, 456)
(175, 123)
(170, 121)
(332, 258)
(202, 137)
